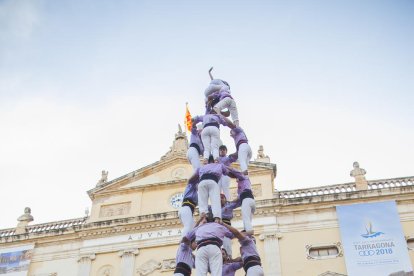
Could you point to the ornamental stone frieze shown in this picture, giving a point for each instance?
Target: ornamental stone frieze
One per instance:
(149, 267)
(168, 264)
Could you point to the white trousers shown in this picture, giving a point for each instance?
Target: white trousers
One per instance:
(210, 136)
(245, 154)
(186, 217)
(227, 246)
(231, 105)
(209, 256)
(225, 186)
(193, 157)
(247, 209)
(256, 270)
(178, 274)
(209, 189)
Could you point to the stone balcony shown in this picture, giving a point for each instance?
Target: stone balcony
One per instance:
(403, 185)
(345, 188)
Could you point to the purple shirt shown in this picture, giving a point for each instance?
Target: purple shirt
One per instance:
(247, 248)
(191, 191)
(195, 139)
(227, 160)
(213, 168)
(238, 135)
(210, 119)
(209, 230)
(229, 269)
(184, 255)
(243, 183)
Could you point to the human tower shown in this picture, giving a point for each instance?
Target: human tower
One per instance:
(212, 234)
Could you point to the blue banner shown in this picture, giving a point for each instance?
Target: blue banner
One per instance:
(373, 239)
(15, 261)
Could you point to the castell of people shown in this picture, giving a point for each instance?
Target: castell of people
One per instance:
(206, 138)
(209, 208)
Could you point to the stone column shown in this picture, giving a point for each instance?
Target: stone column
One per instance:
(128, 261)
(272, 253)
(85, 262)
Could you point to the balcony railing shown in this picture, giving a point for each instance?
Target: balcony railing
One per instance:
(345, 188)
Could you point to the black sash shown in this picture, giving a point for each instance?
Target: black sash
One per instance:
(251, 261)
(194, 145)
(190, 203)
(214, 241)
(226, 221)
(246, 194)
(209, 176)
(212, 124)
(239, 143)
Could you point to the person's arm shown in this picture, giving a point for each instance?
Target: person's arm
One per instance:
(233, 173)
(194, 178)
(226, 122)
(187, 238)
(197, 119)
(233, 157)
(234, 204)
(234, 231)
(236, 260)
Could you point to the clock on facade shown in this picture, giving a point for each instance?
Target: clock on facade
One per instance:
(176, 200)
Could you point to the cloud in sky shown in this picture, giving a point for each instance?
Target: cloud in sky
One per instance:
(102, 85)
(18, 19)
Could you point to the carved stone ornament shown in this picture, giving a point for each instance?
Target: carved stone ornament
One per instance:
(118, 209)
(128, 252)
(168, 264)
(330, 273)
(23, 221)
(180, 145)
(106, 270)
(359, 175)
(178, 173)
(261, 156)
(86, 258)
(270, 235)
(104, 178)
(149, 267)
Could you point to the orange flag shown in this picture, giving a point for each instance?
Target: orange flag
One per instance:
(187, 122)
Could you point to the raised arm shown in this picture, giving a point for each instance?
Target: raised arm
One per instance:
(195, 120)
(234, 204)
(226, 122)
(233, 157)
(209, 73)
(233, 173)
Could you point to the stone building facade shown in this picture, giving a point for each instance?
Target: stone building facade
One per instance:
(133, 228)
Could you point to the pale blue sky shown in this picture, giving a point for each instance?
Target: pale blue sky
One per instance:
(92, 85)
